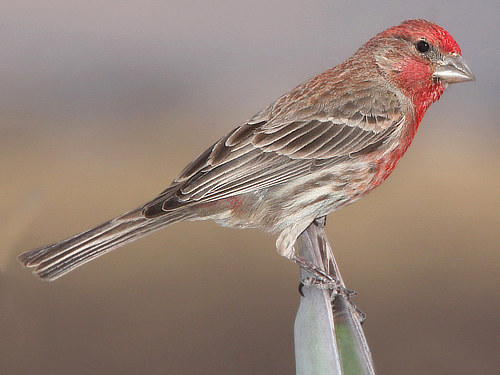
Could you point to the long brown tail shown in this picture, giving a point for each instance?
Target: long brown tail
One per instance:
(53, 261)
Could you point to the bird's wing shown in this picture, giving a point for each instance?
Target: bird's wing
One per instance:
(266, 152)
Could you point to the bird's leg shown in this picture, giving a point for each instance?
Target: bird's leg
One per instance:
(321, 279)
(319, 275)
(285, 246)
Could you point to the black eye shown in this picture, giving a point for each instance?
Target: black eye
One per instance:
(422, 46)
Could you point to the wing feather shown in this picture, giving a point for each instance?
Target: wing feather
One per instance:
(273, 149)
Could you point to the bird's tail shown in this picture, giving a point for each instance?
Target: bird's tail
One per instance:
(53, 261)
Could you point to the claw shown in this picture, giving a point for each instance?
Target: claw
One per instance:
(301, 286)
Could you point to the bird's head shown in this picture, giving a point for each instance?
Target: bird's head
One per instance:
(421, 59)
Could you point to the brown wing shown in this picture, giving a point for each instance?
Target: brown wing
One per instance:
(267, 151)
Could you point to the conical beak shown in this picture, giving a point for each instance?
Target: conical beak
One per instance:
(453, 69)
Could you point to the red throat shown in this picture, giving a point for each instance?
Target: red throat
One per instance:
(415, 80)
(423, 99)
(422, 94)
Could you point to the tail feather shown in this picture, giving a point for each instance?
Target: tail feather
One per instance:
(53, 261)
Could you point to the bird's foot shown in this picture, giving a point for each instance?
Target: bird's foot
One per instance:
(318, 283)
(335, 286)
(360, 315)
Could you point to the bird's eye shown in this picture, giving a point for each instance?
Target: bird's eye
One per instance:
(422, 46)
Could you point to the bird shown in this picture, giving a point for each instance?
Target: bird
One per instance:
(319, 147)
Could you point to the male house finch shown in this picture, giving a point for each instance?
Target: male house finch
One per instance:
(317, 148)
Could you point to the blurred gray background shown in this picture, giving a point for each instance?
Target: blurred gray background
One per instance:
(103, 102)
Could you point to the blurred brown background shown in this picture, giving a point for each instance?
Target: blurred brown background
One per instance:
(103, 102)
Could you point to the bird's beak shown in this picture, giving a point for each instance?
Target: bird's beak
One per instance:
(453, 69)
